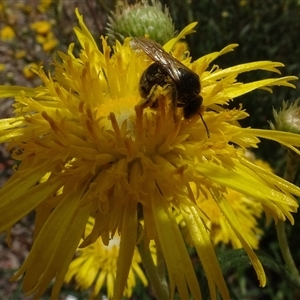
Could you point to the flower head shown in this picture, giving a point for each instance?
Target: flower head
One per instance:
(96, 265)
(288, 118)
(7, 33)
(246, 209)
(130, 168)
(44, 35)
(140, 19)
(44, 5)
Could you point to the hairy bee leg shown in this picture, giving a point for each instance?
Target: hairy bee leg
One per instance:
(151, 99)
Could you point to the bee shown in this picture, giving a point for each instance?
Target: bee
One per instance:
(169, 73)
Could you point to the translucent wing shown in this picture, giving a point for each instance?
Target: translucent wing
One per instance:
(155, 51)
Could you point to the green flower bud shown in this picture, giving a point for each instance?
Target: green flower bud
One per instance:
(288, 118)
(140, 19)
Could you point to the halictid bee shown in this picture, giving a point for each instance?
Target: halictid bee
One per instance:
(167, 72)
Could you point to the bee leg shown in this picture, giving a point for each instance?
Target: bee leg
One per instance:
(151, 99)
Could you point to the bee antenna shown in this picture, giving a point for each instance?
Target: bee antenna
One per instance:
(207, 131)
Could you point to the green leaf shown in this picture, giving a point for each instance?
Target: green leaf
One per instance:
(237, 258)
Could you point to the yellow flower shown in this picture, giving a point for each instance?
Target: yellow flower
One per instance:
(41, 27)
(7, 33)
(50, 42)
(130, 168)
(40, 38)
(44, 5)
(96, 265)
(28, 70)
(247, 210)
(20, 54)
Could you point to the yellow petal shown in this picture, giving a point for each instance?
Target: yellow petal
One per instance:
(127, 246)
(180, 269)
(241, 89)
(285, 138)
(64, 229)
(83, 34)
(250, 184)
(237, 228)
(17, 202)
(187, 30)
(206, 252)
(258, 65)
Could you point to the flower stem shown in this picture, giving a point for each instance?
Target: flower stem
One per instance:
(158, 284)
(290, 172)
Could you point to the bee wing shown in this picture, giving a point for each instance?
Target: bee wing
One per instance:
(155, 51)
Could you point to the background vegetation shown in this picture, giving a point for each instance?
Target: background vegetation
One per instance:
(265, 30)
